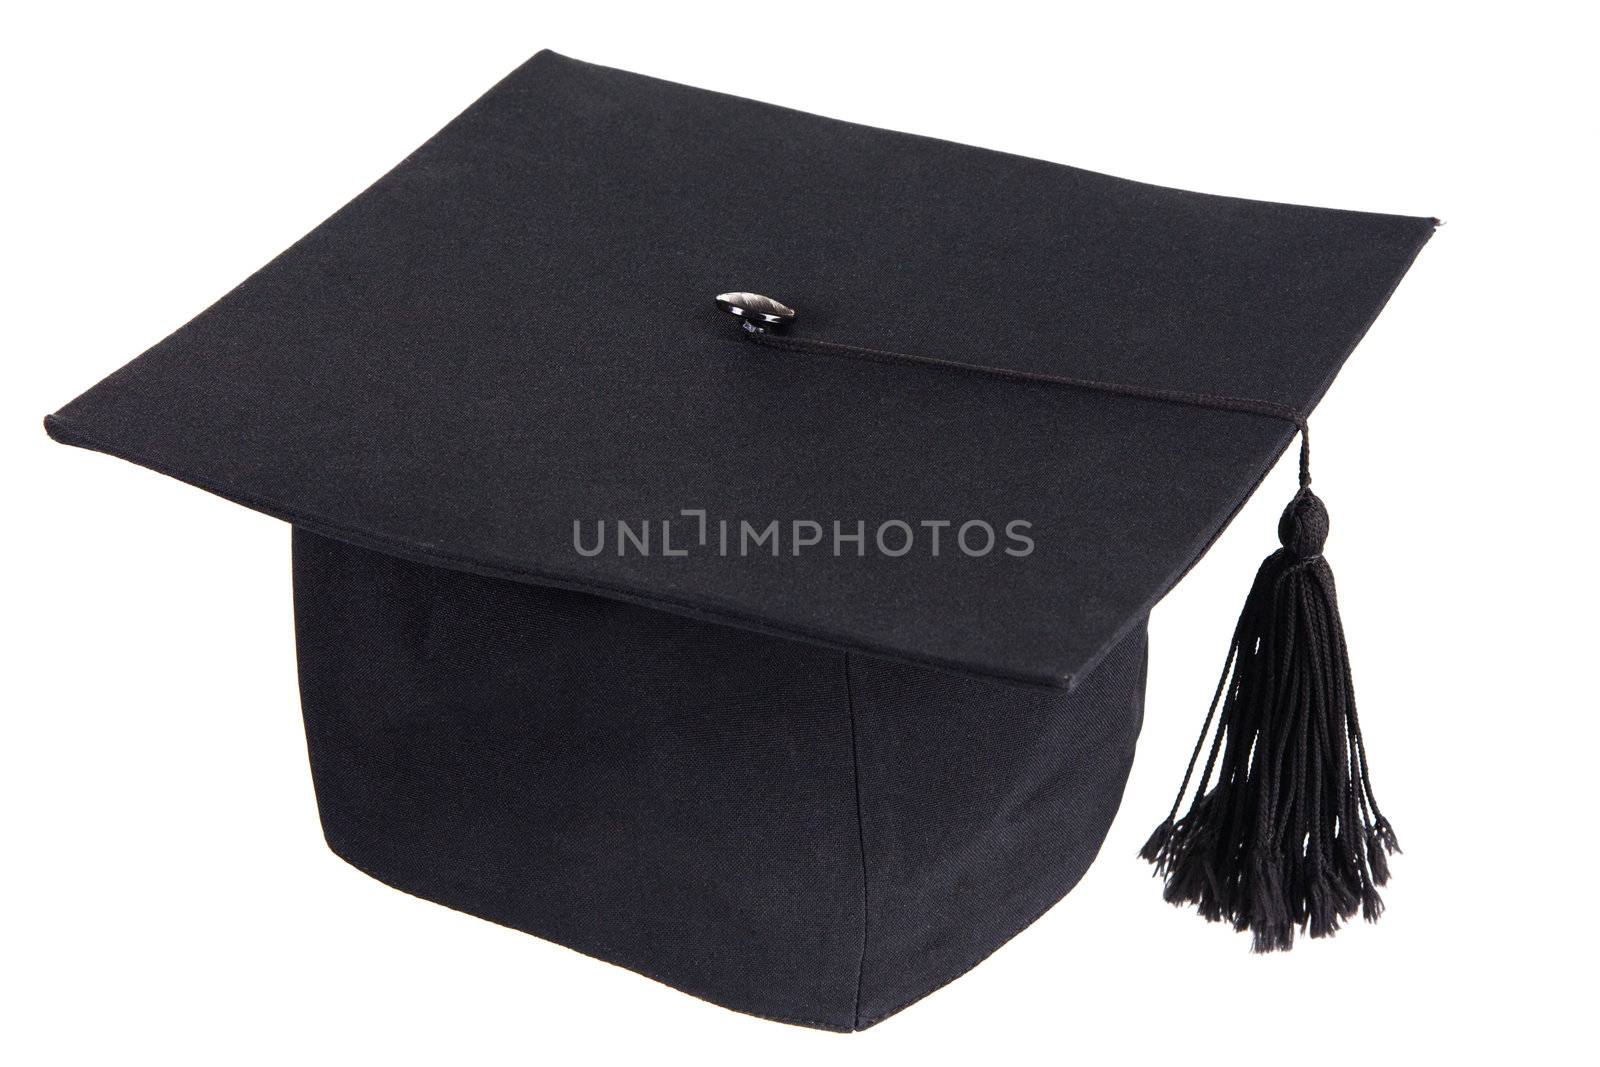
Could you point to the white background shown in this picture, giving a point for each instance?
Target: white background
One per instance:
(165, 895)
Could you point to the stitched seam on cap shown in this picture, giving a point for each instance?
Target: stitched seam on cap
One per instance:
(861, 835)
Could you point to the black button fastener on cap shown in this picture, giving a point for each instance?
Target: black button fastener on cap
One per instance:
(757, 313)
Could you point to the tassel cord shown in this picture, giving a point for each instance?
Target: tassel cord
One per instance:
(1213, 402)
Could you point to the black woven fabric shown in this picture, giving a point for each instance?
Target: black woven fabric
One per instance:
(514, 329)
(808, 835)
(812, 785)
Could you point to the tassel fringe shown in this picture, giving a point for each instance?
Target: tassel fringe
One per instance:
(1284, 833)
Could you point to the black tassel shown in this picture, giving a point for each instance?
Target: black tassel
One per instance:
(1289, 836)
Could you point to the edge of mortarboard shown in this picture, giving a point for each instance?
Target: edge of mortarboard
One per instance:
(1211, 537)
(62, 431)
(545, 55)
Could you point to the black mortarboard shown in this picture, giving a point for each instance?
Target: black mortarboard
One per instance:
(798, 674)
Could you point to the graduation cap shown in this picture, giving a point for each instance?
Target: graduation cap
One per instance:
(786, 648)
